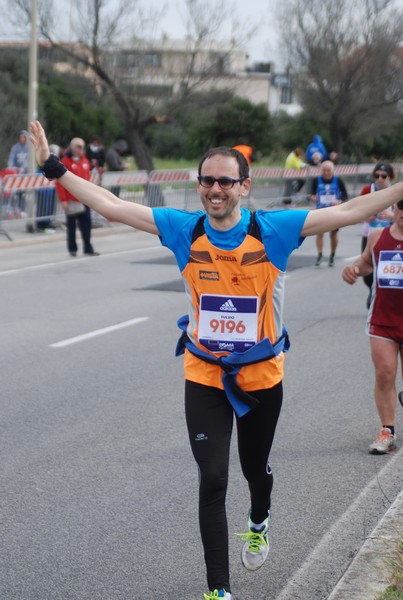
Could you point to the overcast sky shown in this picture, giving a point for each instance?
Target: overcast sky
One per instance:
(262, 47)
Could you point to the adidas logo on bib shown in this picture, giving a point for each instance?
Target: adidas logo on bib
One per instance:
(228, 305)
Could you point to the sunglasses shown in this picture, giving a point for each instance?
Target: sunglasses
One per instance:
(225, 183)
(380, 176)
(400, 204)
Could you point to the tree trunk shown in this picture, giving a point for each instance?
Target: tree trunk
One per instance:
(139, 149)
(336, 136)
(142, 156)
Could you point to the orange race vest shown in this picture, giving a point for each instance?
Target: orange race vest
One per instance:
(217, 282)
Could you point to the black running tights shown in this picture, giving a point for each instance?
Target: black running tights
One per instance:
(209, 417)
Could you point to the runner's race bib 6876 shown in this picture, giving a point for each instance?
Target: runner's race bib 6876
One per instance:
(390, 269)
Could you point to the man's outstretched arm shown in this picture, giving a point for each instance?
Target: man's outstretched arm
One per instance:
(94, 196)
(351, 212)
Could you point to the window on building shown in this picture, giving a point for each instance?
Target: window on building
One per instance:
(137, 61)
(160, 91)
(285, 95)
(152, 61)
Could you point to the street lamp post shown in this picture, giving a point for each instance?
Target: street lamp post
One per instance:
(32, 103)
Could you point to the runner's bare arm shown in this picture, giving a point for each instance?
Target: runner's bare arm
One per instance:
(363, 265)
(94, 196)
(351, 212)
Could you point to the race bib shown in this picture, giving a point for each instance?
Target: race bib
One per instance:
(390, 269)
(228, 323)
(326, 200)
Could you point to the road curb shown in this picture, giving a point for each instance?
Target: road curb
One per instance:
(368, 574)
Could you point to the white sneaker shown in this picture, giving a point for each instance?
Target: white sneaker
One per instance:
(384, 442)
(256, 547)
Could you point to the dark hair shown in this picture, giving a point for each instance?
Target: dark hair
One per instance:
(227, 151)
(384, 166)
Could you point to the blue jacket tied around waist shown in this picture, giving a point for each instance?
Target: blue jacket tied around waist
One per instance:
(241, 401)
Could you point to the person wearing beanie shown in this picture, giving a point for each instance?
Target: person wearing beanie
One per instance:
(384, 166)
(382, 175)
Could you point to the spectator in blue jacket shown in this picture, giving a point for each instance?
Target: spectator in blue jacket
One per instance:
(314, 148)
(18, 160)
(18, 157)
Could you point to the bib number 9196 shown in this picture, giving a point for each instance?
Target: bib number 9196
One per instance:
(229, 326)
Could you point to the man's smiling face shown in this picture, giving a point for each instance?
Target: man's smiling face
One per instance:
(222, 206)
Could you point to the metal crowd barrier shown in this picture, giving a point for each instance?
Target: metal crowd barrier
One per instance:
(32, 199)
(276, 186)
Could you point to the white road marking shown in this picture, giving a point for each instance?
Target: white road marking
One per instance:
(350, 259)
(77, 261)
(96, 332)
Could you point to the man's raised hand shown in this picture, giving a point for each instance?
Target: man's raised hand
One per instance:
(38, 139)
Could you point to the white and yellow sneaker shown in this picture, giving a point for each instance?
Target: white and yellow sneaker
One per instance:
(256, 547)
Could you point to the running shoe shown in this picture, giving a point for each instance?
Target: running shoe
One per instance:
(256, 547)
(318, 260)
(384, 442)
(217, 594)
(331, 260)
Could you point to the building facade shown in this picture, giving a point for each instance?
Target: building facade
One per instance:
(157, 70)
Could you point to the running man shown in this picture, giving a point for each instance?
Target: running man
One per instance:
(233, 263)
(383, 255)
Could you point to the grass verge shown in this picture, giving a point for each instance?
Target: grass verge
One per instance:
(394, 563)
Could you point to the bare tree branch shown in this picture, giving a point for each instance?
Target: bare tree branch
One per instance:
(112, 42)
(348, 61)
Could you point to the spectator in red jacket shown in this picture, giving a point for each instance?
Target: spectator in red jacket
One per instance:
(76, 161)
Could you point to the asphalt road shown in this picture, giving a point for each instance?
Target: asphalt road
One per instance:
(98, 495)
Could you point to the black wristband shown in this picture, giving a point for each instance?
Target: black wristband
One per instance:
(53, 167)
